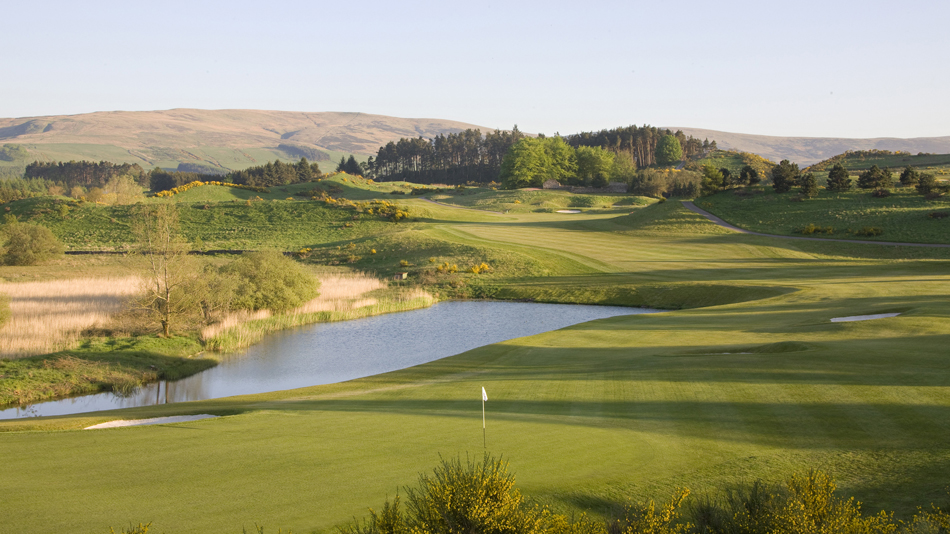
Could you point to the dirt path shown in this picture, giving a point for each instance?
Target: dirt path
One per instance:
(692, 207)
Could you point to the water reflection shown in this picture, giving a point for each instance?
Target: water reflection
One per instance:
(336, 352)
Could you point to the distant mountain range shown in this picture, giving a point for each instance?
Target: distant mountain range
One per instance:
(213, 139)
(809, 150)
(221, 140)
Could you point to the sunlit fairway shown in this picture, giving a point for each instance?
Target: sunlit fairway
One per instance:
(758, 382)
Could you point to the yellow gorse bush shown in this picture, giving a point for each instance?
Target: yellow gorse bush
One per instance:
(191, 185)
(479, 269)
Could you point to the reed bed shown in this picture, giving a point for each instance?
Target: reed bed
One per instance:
(342, 297)
(49, 316)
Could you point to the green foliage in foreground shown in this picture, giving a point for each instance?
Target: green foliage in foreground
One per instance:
(481, 497)
(110, 364)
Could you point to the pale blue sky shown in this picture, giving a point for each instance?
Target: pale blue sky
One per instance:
(825, 68)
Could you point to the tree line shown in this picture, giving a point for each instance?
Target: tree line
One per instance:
(84, 174)
(456, 158)
(469, 156)
(640, 142)
(267, 175)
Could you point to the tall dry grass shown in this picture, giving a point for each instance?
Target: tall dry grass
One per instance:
(342, 297)
(49, 316)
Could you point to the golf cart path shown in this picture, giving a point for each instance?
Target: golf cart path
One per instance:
(692, 207)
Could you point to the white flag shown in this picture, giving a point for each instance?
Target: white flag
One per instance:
(484, 395)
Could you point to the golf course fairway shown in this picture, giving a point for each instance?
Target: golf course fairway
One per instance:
(746, 377)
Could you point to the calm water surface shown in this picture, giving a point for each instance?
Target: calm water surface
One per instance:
(335, 352)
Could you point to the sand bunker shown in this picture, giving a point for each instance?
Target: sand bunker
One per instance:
(863, 317)
(153, 421)
(568, 211)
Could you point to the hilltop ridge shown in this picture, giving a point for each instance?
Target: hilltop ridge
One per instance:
(810, 150)
(225, 139)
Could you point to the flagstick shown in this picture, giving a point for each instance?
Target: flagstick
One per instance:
(484, 442)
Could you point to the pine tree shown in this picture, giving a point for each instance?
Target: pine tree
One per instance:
(784, 176)
(839, 180)
(909, 176)
(809, 185)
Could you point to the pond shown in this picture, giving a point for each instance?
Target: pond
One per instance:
(325, 353)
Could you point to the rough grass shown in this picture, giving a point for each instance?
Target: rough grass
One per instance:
(49, 316)
(902, 216)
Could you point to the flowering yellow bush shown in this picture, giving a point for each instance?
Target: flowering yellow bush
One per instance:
(479, 269)
(447, 268)
(191, 185)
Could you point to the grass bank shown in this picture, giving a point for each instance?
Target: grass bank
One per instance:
(904, 216)
(117, 365)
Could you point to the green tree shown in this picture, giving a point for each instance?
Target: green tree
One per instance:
(927, 185)
(749, 176)
(594, 165)
(304, 170)
(712, 180)
(28, 244)
(352, 167)
(562, 159)
(268, 280)
(727, 178)
(875, 178)
(809, 185)
(525, 164)
(668, 150)
(785, 176)
(909, 176)
(839, 180)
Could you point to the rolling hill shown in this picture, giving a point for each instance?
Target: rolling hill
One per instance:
(215, 139)
(224, 140)
(809, 150)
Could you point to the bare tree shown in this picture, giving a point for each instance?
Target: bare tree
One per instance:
(168, 268)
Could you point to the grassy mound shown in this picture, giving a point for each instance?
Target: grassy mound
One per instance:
(903, 216)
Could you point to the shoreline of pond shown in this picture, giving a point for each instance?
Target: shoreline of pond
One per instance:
(154, 389)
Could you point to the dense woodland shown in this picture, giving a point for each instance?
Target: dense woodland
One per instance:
(469, 156)
(267, 175)
(455, 158)
(639, 142)
(84, 173)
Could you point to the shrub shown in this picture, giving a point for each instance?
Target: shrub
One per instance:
(646, 518)
(816, 229)
(474, 497)
(447, 268)
(269, 280)
(478, 269)
(881, 193)
(870, 231)
(28, 244)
